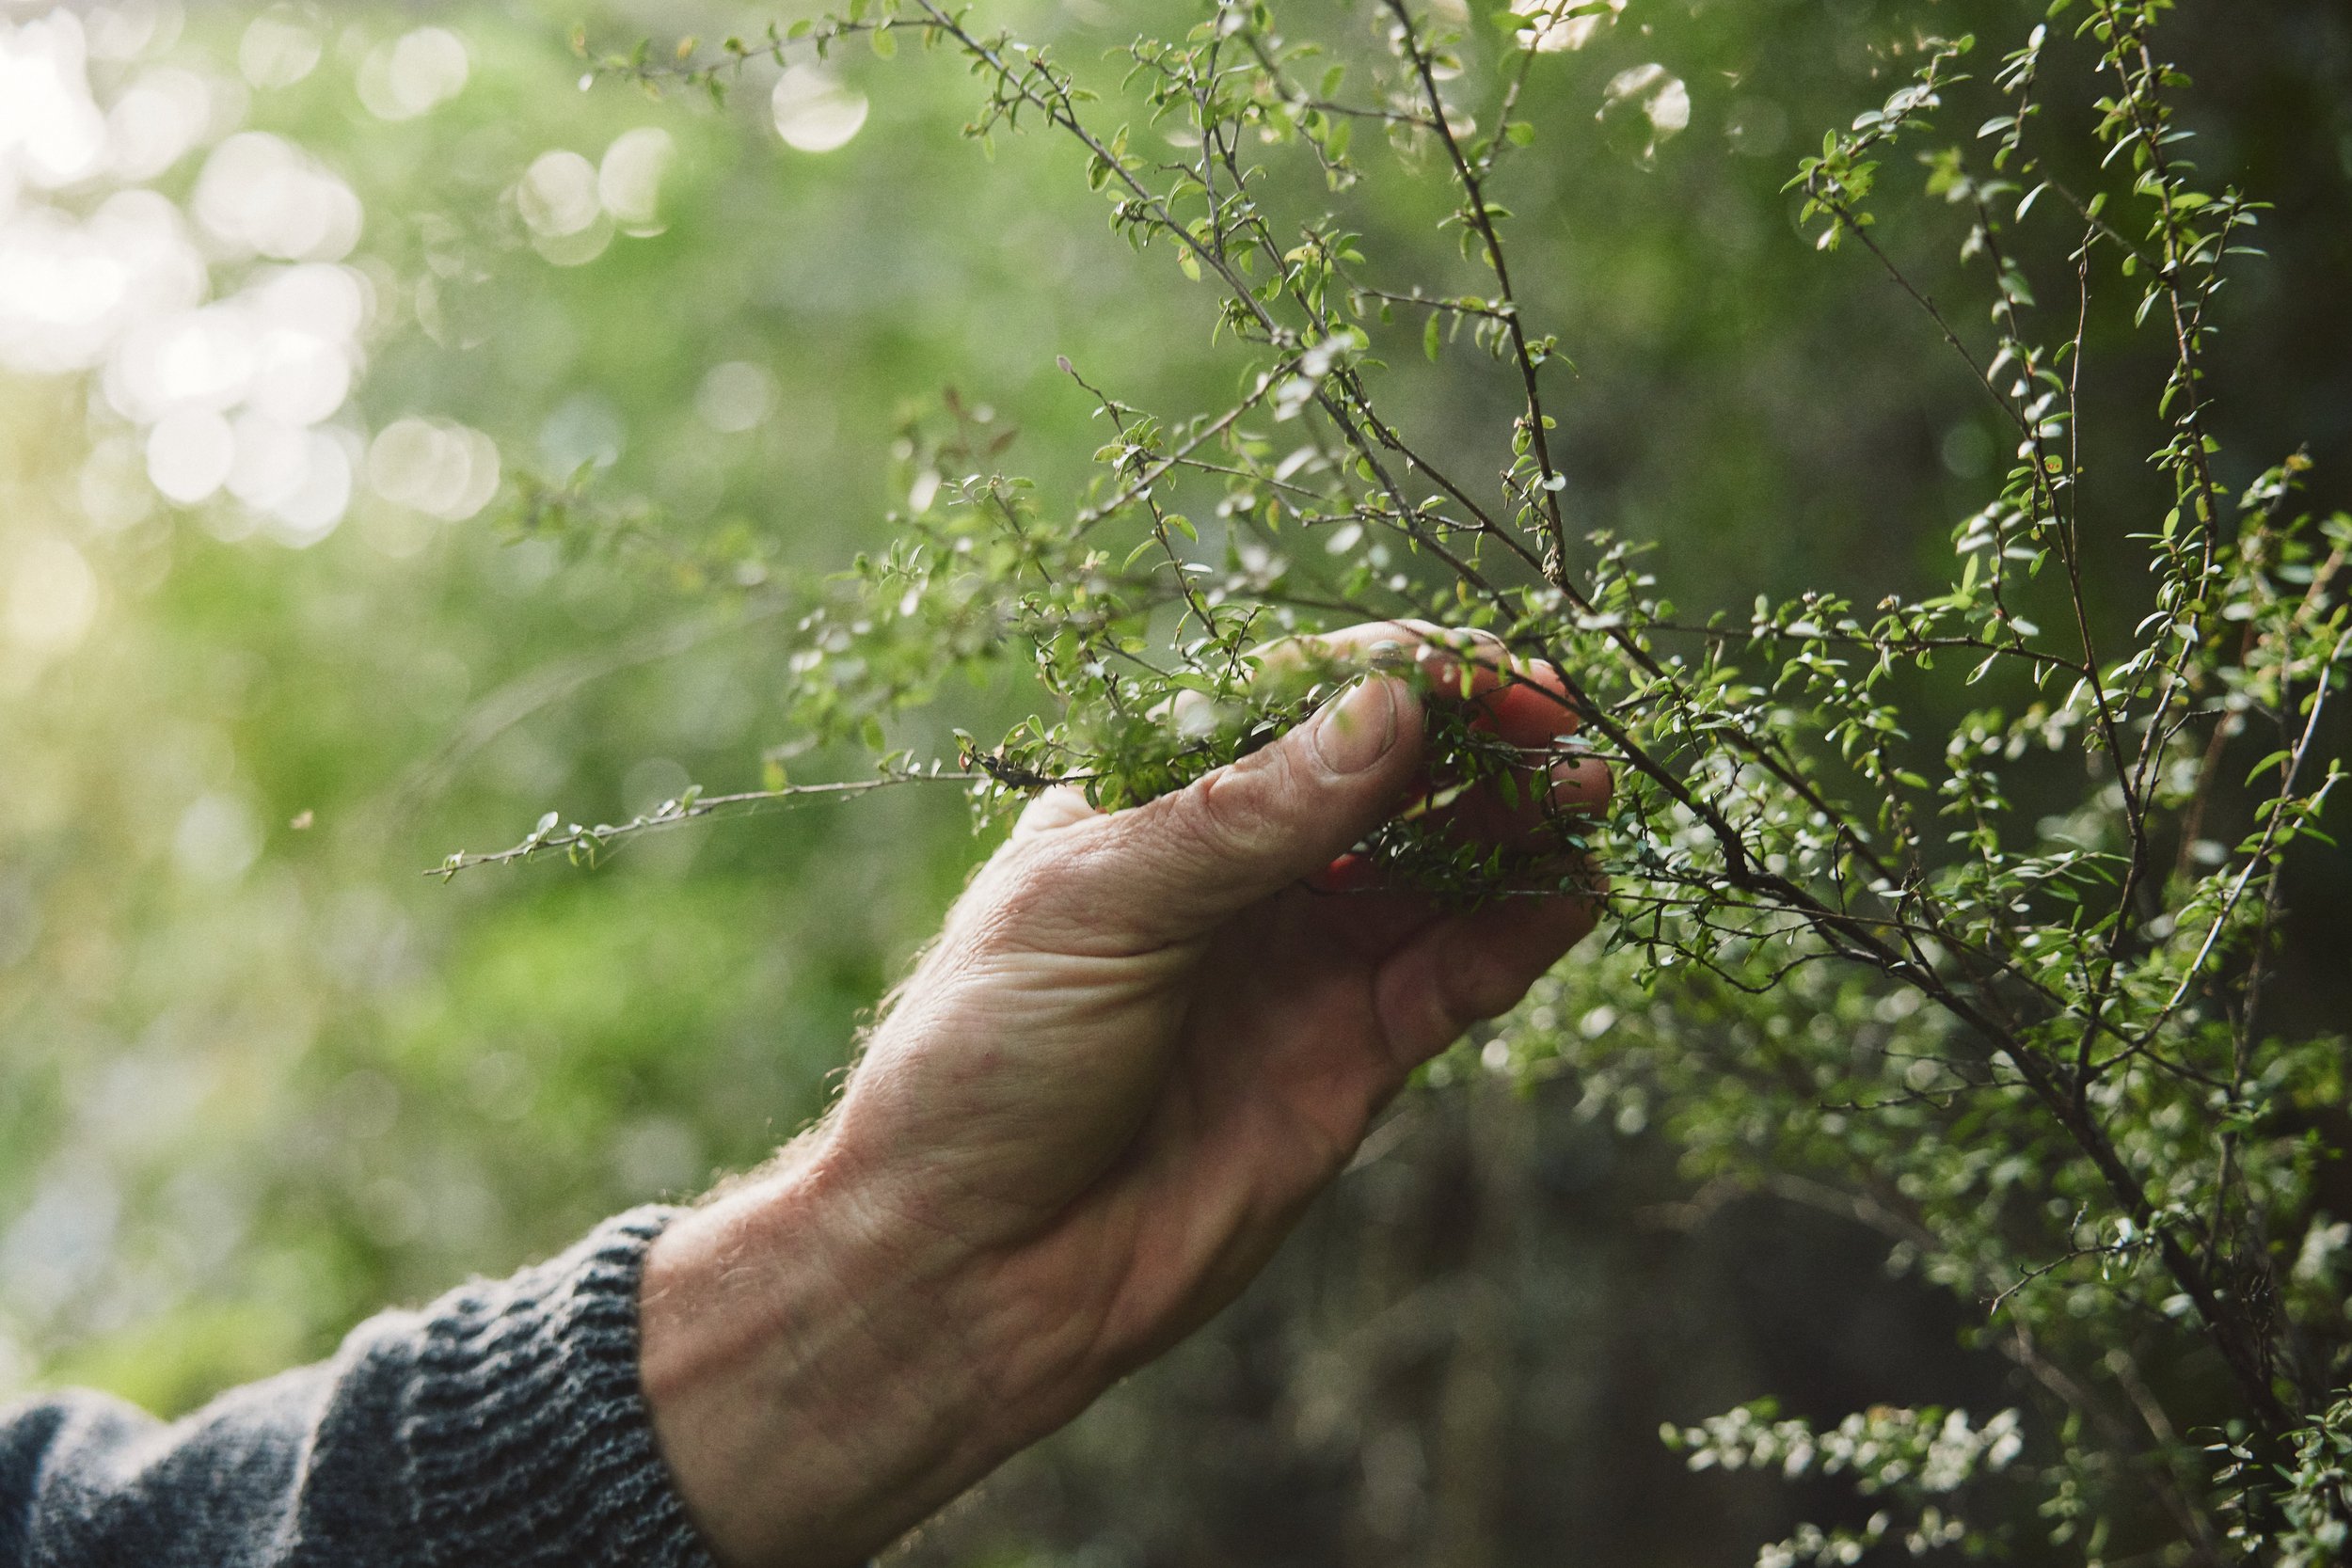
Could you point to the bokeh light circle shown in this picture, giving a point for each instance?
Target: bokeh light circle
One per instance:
(814, 111)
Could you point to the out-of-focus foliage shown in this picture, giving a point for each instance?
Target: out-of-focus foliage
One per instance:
(261, 1076)
(273, 646)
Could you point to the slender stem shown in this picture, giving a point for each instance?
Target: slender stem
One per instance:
(691, 808)
(1480, 217)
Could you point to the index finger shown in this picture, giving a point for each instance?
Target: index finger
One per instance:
(1526, 701)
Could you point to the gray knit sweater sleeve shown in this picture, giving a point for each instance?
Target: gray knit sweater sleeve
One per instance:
(501, 1425)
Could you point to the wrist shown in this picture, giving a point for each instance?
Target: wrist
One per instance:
(824, 1371)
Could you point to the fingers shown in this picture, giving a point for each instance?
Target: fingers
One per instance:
(1524, 700)
(1466, 663)
(1526, 704)
(1580, 784)
(1472, 966)
(1169, 871)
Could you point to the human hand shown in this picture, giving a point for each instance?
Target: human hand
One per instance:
(1144, 1041)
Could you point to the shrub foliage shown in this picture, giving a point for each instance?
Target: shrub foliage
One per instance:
(1852, 944)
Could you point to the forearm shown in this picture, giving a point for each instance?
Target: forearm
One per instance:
(824, 1374)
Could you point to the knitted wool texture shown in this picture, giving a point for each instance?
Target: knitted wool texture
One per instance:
(502, 1425)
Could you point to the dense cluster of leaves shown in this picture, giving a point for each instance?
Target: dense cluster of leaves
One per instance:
(2030, 1047)
(1916, 1460)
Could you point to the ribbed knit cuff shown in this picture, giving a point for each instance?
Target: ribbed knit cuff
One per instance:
(527, 1427)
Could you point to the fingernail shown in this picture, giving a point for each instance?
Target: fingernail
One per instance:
(1356, 728)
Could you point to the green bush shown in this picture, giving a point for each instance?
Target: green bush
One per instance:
(1968, 880)
(1861, 930)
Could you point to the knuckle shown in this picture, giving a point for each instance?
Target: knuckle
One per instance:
(1011, 893)
(1235, 809)
(1076, 893)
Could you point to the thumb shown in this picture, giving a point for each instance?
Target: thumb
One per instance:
(1170, 870)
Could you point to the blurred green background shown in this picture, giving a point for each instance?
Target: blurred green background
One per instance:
(289, 297)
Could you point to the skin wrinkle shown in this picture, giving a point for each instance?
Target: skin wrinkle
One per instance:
(1143, 1042)
(807, 1339)
(922, 1217)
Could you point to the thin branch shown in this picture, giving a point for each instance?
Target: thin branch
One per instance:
(550, 836)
